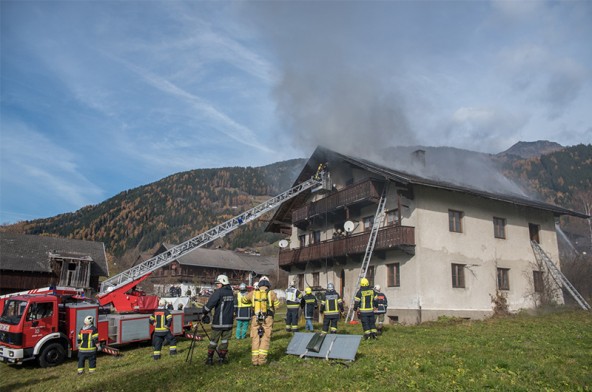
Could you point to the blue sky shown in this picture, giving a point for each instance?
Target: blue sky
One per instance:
(100, 97)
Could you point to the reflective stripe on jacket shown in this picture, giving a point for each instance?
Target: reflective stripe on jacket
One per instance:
(88, 339)
(161, 319)
(364, 300)
(243, 311)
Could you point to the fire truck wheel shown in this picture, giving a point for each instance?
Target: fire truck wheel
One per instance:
(53, 354)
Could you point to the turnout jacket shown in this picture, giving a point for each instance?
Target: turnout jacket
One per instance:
(293, 298)
(364, 300)
(309, 304)
(222, 303)
(242, 310)
(380, 303)
(332, 305)
(88, 337)
(162, 320)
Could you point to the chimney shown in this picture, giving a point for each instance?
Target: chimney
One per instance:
(419, 157)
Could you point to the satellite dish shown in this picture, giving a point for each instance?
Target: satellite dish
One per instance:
(349, 226)
(284, 244)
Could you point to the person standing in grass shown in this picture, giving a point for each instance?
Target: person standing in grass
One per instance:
(364, 308)
(308, 304)
(264, 302)
(243, 312)
(380, 306)
(331, 308)
(162, 320)
(88, 342)
(293, 298)
(222, 303)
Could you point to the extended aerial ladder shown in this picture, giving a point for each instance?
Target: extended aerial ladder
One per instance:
(378, 219)
(558, 276)
(117, 286)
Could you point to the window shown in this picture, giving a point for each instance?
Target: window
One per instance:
(38, 311)
(315, 279)
(315, 237)
(392, 217)
(370, 275)
(499, 227)
(300, 282)
(302, 240)
(503, 279)
(455, 221)
(393, 275)
(368, 222)
(533, 230)
(458, 276)
(537, 278)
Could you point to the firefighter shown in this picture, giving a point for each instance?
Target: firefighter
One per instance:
(308, 304)
(162, 320)
(264, 302)
(88, 343)
(380, 306)
(364, 308)
(331, 308)
(222, 304)
(293, 299)
(243, 312)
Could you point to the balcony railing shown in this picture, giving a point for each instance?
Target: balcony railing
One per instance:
(388, 237)
(368, 190)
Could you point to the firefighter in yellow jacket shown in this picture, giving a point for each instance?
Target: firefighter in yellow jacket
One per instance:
(264, 302)
(88, 342)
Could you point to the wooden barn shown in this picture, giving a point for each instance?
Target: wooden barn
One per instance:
(30, 261)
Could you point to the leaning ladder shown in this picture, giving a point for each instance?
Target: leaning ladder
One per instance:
(378, 219)
(558, 275)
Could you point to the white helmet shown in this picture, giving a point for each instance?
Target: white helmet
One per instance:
(330, 286)
(377, 287)
(162, 302)
(242, 287)
(223, 279)
(89, 320)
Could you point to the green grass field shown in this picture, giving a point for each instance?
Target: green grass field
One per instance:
(549, 352)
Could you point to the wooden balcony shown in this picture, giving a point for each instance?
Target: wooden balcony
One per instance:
(365, 191)
(390, 237)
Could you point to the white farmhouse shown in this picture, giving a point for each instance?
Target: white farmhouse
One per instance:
(444, 247)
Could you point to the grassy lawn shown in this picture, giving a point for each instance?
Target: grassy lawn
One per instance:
(550, 352)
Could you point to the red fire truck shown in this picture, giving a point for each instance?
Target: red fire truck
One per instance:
(43, 324)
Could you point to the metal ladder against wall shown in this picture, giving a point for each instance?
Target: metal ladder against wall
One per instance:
(558, 276)
(378, 219)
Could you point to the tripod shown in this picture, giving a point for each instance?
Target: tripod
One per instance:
(189, 357)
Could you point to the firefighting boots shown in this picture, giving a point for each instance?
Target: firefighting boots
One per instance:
(222, 359)
(210, 358)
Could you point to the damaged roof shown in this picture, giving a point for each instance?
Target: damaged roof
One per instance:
(23, 252)
(282, 216)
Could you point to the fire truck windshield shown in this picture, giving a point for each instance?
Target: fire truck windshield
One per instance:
(13, 311)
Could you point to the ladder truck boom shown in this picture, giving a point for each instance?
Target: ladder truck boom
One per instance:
(127, 279)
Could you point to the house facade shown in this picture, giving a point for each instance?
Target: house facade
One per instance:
(441, 249)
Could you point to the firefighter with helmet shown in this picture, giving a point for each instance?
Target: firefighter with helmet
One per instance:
(331, 308)
(264, 302)
(88, 343)
(380, 306)
(364, 308)
(162, 320)
(293, 299)
(242, 311)
(308, 304)
(222, 304)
